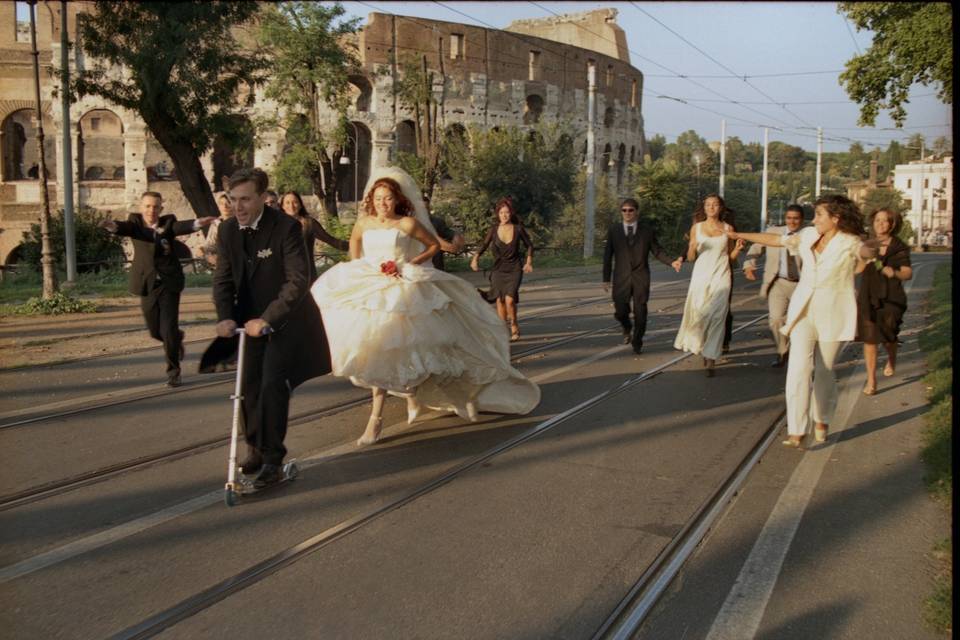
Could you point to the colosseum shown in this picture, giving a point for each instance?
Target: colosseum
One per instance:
(532, 71)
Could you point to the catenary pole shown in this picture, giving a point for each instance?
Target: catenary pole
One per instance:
(763, 196)
(589, 196)
(723, 153)
(819, 159)
(66, 158)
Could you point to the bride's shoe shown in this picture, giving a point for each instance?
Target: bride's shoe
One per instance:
(413, 409)
(471, 412)
(372, 433)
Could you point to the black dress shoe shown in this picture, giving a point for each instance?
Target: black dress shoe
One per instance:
(269, 474)
(779, 362)
(174, 380)
(638, 349)
(627, 337)
(251, 464)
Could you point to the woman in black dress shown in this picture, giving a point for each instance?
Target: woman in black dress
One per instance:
(881, 300)
(506, 234)
(292, 205)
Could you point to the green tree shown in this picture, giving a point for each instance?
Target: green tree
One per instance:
(95, 249)
(537, 169)
(667, 197)
(310, 63)
(656, 146)
(912, 43)
(179, 66)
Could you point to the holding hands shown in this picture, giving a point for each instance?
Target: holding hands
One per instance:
(676, 264)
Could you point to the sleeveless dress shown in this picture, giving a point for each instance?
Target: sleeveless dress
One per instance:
(426, 333)
(507, 272)
(705, 311)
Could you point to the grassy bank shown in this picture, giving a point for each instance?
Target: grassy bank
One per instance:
(17, 288)
(936, 341)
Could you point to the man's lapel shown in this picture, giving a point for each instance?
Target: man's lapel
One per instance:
(264, 230)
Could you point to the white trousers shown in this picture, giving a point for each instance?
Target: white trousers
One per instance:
(809, 356)
(778, 300)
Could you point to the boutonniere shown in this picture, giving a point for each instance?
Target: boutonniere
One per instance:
(264, 253)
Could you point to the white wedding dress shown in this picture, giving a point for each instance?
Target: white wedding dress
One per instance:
(708, 301)
(427, 333)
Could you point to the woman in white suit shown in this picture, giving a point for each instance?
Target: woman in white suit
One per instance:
(823, 309)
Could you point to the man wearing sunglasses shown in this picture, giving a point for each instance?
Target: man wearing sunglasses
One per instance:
(625, 256)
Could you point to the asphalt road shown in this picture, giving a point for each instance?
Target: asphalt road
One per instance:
(453, 533)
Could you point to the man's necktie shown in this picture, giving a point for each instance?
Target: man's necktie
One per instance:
(249, 240)
(792, 272)
(630, 234)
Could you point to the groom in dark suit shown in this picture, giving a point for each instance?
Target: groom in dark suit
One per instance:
(156, 275)
(262, 284)
(626, 256)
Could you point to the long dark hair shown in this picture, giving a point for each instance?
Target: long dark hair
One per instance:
(845, 210)
(403, 207)
(700, 213)
(302, 210)
(507, 202)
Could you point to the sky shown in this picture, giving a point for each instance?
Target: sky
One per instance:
(774, 39)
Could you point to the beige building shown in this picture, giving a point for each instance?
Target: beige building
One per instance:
(533, 71)
(927, 190)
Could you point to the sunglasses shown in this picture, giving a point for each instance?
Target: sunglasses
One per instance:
(627, 210)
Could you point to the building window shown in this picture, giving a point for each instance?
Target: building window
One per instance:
(941, 205)
(533, 109)
(534, 65)
(100, 153)
(923, 205)
(908, 204)
(909, 183)
(943, 183)
(633, 93)
(23, 22)
(456, 46)
(609, 75)
(926, 183)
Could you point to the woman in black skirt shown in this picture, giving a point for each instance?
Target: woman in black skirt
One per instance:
(506, 234)
(881, 300)
(292, 205)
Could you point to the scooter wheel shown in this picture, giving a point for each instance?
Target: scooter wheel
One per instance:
(230, 497)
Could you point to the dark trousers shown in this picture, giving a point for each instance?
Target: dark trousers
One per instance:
(161, 311)
(266, 399)
(621, 311)
(728, 323)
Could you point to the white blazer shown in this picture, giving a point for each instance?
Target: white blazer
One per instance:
(771, 266)
(825, 291)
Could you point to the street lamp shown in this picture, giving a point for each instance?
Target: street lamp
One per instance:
(696, 161)
(345, 160)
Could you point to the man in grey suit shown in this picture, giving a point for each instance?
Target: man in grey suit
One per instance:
(781, 272)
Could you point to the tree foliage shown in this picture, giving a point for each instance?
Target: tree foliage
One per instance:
(95, 249)
(667, 197)
(180, 67)
(310, 64)
(913, 43)
(536, 168)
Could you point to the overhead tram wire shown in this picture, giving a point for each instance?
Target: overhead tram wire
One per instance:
(678, 75)
(749, 75)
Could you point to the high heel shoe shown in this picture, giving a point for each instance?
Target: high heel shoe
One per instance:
(514, 333)
(869, 391)
(888, 370)
(372, 433)
(820, 434)
(471, 412)
(413, 410)
(793, 444)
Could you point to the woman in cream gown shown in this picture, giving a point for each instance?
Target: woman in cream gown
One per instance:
(397, 325)
(708, 297)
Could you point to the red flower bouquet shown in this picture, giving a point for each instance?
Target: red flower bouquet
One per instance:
(389, 268)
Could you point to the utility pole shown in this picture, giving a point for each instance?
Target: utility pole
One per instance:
(69, 228)
(589, 196)
(923, 200)
(46, 261)
(763, 196)
(819, 158)
(723, 153)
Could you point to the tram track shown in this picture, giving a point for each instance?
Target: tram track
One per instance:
(156, 624)
(58, 487)
(61, 486)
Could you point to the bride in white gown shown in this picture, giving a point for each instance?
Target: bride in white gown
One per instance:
(395, 324)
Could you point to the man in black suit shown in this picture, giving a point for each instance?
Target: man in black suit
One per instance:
(262, 283)
(156, 275)
(626, 256)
